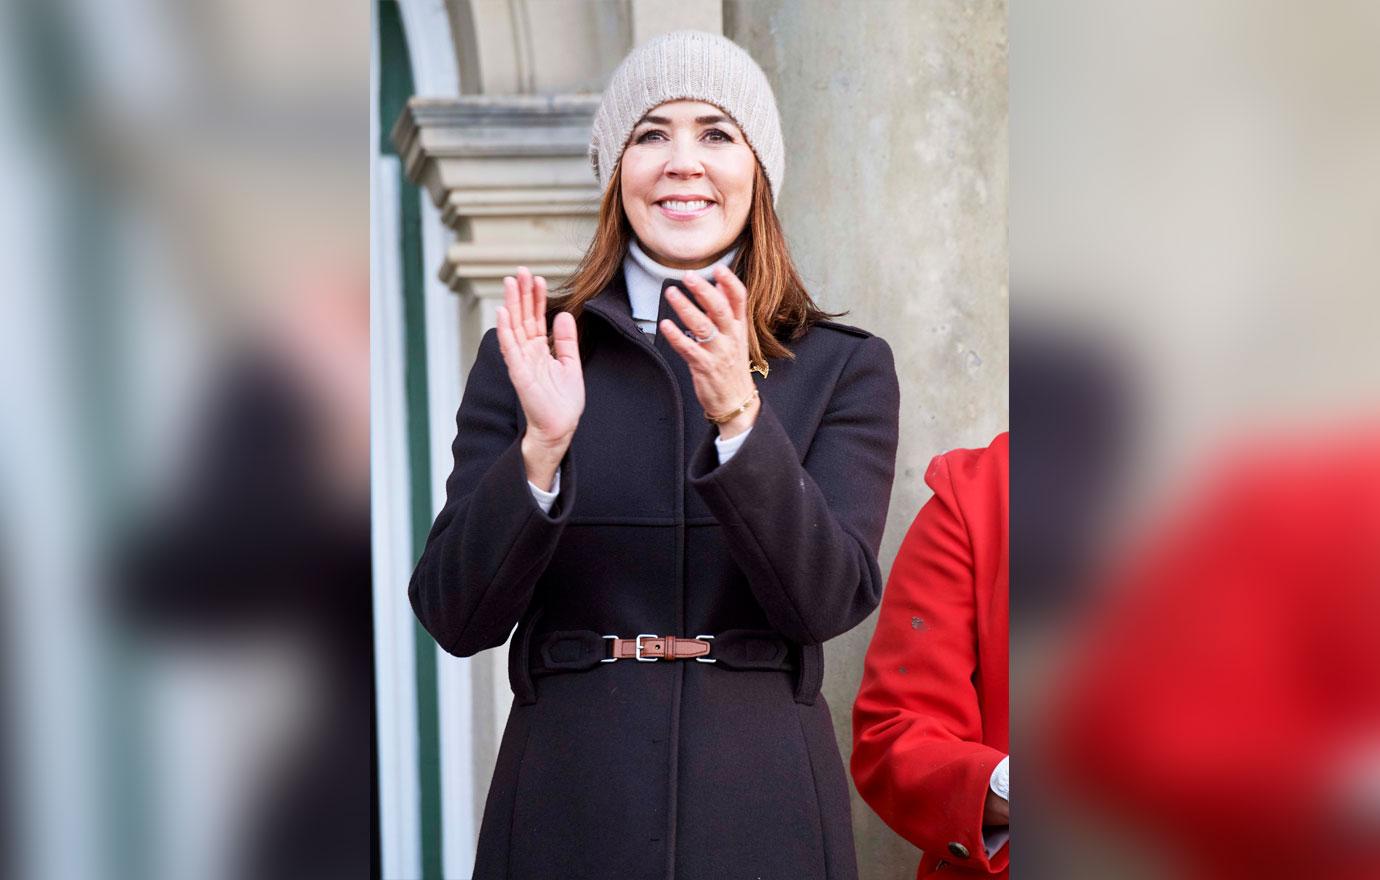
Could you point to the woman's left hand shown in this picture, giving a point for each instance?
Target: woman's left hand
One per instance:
(720, 365)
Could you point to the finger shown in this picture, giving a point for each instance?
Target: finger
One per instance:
(734, 289)
(691, 351)
(512, 300)
(539, 301)
(529, 325)
(712, 300)
(505, 332)
(509, 347)
(697, 322)
(533, 309)
(566, 342)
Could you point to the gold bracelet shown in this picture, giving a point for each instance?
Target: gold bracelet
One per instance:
(719, 420)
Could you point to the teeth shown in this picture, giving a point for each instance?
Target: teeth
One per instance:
(696, 205)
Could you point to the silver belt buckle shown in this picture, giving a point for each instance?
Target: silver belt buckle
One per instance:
(610, 659)
(640, 637)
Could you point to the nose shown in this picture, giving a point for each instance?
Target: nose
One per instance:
(684, 162)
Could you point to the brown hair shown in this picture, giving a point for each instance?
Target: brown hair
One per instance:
(778, 306)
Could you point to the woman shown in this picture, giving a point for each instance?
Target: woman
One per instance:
(930, 725)
(676, 476)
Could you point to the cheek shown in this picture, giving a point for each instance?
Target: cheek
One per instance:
(738, 182)
(634, 179)
(741, 202)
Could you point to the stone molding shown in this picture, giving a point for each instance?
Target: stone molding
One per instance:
(512, 178)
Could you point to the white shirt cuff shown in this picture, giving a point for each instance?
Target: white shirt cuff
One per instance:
(1000, 783)
(543, 498)
(728, 448)
(1001, 778)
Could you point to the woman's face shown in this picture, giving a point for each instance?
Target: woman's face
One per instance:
(687, 183)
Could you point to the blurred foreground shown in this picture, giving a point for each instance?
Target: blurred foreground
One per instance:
(1196, 452)
(184, 516)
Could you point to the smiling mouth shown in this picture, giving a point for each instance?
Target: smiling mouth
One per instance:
(684, 209)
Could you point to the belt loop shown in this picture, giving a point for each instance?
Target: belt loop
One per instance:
(810, 676)
(519, 670)
(753, 649)
(571, 651)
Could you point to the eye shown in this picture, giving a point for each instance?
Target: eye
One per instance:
(717, 136)
(649, 135)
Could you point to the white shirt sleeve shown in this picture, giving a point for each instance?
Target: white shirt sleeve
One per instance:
(1000, 783)
(1001, 779)
(544, 498)
(728, 448)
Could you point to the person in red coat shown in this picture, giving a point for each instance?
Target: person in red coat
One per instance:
(930, 723)
(1221, 700)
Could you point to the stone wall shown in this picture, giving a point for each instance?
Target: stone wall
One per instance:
(894, 202)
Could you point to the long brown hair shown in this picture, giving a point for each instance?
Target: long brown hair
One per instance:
(778, 306)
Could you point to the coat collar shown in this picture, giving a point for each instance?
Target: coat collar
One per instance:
(612, 305)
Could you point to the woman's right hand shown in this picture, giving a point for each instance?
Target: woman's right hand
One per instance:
(550, 388)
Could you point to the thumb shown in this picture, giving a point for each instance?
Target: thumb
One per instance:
(564, 339)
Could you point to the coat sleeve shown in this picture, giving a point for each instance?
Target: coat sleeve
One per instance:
(491, 541)
(806, 533)
(1250, 603)
(918, 759)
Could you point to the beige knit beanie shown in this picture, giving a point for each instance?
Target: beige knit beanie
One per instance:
(688, 66)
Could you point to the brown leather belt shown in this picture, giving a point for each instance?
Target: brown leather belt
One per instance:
(575, 651)
(648, 648)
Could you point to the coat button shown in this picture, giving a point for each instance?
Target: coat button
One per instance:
(958, 849)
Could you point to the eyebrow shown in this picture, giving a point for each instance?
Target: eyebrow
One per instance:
(699, 120)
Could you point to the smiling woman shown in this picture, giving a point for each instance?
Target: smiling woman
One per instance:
(686, 178)
(720, 518)
(667, 152)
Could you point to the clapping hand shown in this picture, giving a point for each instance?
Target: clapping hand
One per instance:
(718, 361)
(545, 373)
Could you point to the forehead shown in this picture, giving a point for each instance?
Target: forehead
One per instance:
(685, 112)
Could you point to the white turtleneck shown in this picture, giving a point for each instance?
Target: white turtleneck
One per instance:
(643, 277)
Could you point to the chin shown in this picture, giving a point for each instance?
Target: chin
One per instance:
(699, 253)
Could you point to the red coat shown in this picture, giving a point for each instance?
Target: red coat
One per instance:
(1224, 697)
(930, 722)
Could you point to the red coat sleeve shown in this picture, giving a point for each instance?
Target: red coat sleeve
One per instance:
(918, 757)
(1256, 603)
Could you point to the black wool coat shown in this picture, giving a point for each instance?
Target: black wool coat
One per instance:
(670, 769)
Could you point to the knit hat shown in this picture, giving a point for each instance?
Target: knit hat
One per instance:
(688, 66)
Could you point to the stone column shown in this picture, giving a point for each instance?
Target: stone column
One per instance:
(894, 203)
(512, 180)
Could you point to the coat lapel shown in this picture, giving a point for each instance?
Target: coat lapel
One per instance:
(612, 306)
